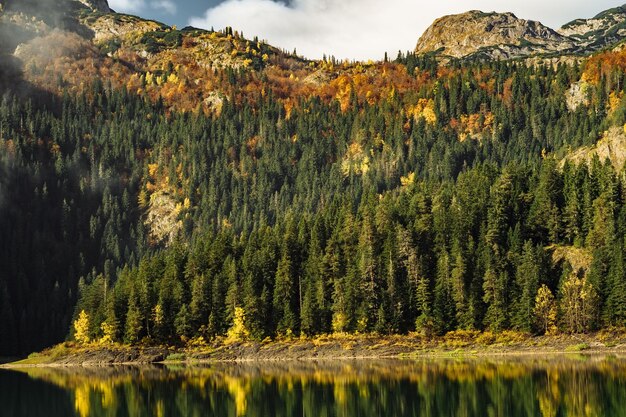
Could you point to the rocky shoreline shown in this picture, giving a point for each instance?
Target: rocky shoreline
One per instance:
(330, 348)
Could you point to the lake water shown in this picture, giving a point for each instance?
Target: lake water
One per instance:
(550, 387)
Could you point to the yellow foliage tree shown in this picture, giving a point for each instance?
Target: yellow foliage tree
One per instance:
(578, 304)
(355, 161)
(340, 322)
(545, 311)
(81, 328)
(408, 180)
(149, 78)
(108, 334)
(173, 78)
(238, 331)
(425, 109)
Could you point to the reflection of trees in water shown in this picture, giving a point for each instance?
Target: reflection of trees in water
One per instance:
(592, 387)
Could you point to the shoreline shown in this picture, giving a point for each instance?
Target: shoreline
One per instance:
(331, 348)
(555, 354)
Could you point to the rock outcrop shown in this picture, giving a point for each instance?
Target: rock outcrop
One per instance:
(612, 147)
(97, 5)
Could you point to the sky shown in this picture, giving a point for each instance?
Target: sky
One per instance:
(345, 29)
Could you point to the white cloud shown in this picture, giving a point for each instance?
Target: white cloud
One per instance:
(364, 29)
(167, 6)
(127, 6)
(141, 6)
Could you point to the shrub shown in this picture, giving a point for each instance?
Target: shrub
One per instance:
(486, 338)
(578, 347)
(508, 337)
(176, 357)
(460, 338)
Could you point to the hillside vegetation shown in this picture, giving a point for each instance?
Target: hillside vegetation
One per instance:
(183, 185)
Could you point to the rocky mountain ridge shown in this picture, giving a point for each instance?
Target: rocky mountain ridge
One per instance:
(479, 35)
(32, 5)
(494, 35)
(605, 29)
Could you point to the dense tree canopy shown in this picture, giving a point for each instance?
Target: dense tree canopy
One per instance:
(432, 208)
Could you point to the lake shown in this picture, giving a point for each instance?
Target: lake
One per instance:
(576, 386)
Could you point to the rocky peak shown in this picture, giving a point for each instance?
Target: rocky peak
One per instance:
(496, 35)
(47, 6)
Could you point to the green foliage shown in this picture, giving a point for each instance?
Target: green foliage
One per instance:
(134, 321)
(110, 46)
(577, 348)
(175, 357)
(158, 40)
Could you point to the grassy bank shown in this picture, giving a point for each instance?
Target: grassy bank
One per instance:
(341, 346)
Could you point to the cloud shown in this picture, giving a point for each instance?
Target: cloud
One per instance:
(127, 6)
(366, 29)
(141, 6)
(166, 6)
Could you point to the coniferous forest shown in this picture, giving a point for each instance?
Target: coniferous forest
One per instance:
(453, 202)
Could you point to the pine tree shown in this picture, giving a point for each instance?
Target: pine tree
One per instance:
(367, 280)
(313, 313)
(285, 297)
(199, 304)
(494, 286)
(134, 320)
(614, 313)
(444, 305)
(527, 278)
(182, 322)
(459, 292)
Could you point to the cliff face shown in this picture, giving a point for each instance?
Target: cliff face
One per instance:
(493, 35)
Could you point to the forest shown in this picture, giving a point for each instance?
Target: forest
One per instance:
(450, 202)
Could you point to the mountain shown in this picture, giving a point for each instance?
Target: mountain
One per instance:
(480, 35)
(96, 5)
(490, 35)
(605, 29)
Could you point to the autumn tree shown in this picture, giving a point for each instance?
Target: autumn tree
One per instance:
(238, 331)
(545, 312)
(578, 304)
(81, 328)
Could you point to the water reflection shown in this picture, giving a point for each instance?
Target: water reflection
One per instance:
(578, 387)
